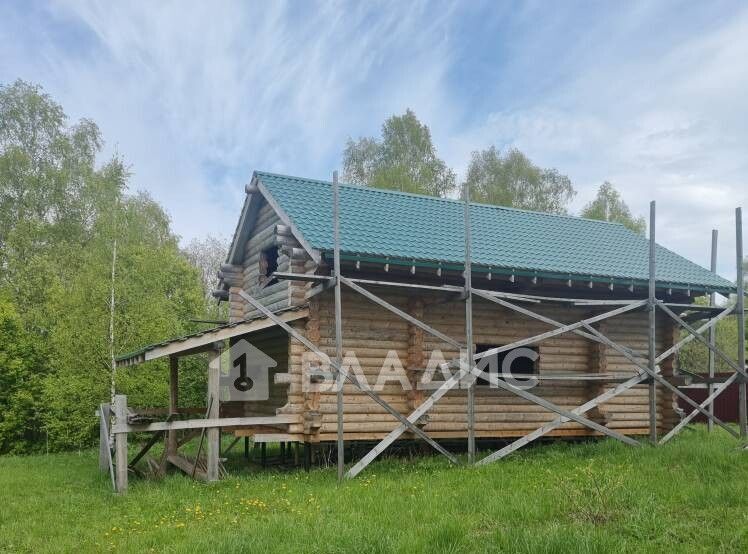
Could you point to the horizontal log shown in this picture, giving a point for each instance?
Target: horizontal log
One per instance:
(203, 424)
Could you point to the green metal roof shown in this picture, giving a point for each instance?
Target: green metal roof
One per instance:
(383, 224)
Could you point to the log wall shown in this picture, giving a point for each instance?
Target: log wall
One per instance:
(268, 232)
(374, 333)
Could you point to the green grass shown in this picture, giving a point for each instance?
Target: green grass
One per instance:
(690, 495)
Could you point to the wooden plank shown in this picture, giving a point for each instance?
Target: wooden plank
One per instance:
(307, 277)
(120, 443)
(213, 451)
(105, 412)
(105, 452)
(188, 466)
(206, 423)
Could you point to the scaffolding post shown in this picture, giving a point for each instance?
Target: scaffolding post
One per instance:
(740, 314)
(469, 329)
(340, 381)
(652, 304)
(712, 330)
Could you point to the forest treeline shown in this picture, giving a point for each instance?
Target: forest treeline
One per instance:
(60, 213)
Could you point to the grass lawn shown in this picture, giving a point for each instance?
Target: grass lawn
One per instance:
(690, 495)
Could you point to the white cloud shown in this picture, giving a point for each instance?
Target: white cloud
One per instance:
(671, 128)
(195, 95)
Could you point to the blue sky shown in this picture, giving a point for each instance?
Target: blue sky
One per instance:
(195, 96)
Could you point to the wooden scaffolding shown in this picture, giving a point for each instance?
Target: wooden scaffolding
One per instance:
(467, 367)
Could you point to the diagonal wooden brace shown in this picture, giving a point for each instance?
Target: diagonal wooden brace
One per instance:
(657, 377)
(365, 389)
(675, 430)
(397, 311)
(548, 427)
(457, 378)
(702, 340)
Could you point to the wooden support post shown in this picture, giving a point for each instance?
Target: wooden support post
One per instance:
(263, 454)
(469, 346)
(307, 456)
(214, 433)
(246, 448)
(340, 380)
(652, 320)
(712, 330)
(740, 314)
(171, 441)
(120, 443)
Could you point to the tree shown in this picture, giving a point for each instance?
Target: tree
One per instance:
(404, 159)
(512, 180)
(59, 215)
(609, 206)
(207, 255)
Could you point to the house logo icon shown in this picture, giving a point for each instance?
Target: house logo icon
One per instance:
(245, 373)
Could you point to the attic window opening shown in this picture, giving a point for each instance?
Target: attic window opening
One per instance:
(268, 265)
(520, 366)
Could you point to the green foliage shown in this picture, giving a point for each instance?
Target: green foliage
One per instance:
(694, 357)
(60, 215)
(690, 495)
(20, 428)
(511, 179)
(404, 159)
(609, 206)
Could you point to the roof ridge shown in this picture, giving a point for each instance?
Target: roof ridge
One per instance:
(439, 198)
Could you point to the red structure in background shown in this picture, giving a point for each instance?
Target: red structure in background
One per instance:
(725, 405)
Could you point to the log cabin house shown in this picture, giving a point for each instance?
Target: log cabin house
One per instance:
(408, 252)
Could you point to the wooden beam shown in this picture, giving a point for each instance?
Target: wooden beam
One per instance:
(309, 277)
(201, 343)
(206, 423)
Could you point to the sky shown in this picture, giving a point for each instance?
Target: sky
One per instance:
(651, 96)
